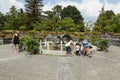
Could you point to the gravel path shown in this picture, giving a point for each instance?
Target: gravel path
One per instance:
(102, 66)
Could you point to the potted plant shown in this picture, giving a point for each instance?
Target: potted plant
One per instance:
(31, 45)
(103, 45)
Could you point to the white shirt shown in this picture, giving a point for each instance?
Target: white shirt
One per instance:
(68, 44)
(77, 47)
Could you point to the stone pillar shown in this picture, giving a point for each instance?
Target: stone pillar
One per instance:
(48, 46)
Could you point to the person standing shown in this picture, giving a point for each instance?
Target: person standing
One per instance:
(15, 41)
(77, 47)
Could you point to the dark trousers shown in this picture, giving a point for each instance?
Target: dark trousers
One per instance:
(77, 53)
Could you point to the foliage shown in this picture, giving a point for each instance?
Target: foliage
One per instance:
(38, 26)
(33, 10)
(56, 20)
(81, 35)
(30, 44)
(67, 24)
(32, 32)
(103, 44)
(95, 35)
(40, 38)
(57, 10)
(75, 15)
(107, 21)
(11, 18)
(94, 41)
(14, 19)
(22, 28)
(51, 25)
(72, 12)
(2, 20)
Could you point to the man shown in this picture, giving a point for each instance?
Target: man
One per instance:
(85, 47)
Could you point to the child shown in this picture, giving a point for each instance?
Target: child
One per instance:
(77, 47)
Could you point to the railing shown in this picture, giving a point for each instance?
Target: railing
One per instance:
(5, 40)
(47, 50)
(47, 45)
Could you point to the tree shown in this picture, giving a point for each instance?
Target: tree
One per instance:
(115, 24)
(58, 10)
(11, 17)
(14, 19)
(118, 22)
(105, 20)
(2, 20)
(72, 12)
(52, 19)
(33, 10)
(67, 24)
(21, 18)
(57, 22)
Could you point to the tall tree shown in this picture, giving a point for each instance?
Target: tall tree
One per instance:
(105, 20)
(21, 18)
(33, 10)
(11, 17)
(72, 12)
(14, 18)
(116, 23)
(52, 18)
(50, 23)
(2, 20)
(58, 10)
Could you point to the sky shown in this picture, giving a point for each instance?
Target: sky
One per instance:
(90, 9)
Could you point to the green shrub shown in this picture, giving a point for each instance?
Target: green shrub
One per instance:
(31, 45)
(103, 44)
(93, 41)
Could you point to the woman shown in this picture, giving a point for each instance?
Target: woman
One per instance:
(15, 41)
(68, 47)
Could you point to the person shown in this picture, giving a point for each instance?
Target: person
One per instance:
(77, 47)
(85, 47)
(89, 51)
(68, 47)
(15, 41)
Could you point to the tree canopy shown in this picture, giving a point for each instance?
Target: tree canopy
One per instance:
(33, 10)
(58, 19)
(72, 12)
(107, 21)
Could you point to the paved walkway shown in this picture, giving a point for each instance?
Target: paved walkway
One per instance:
(102, 66)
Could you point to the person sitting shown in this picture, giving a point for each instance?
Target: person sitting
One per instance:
(89, 51)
